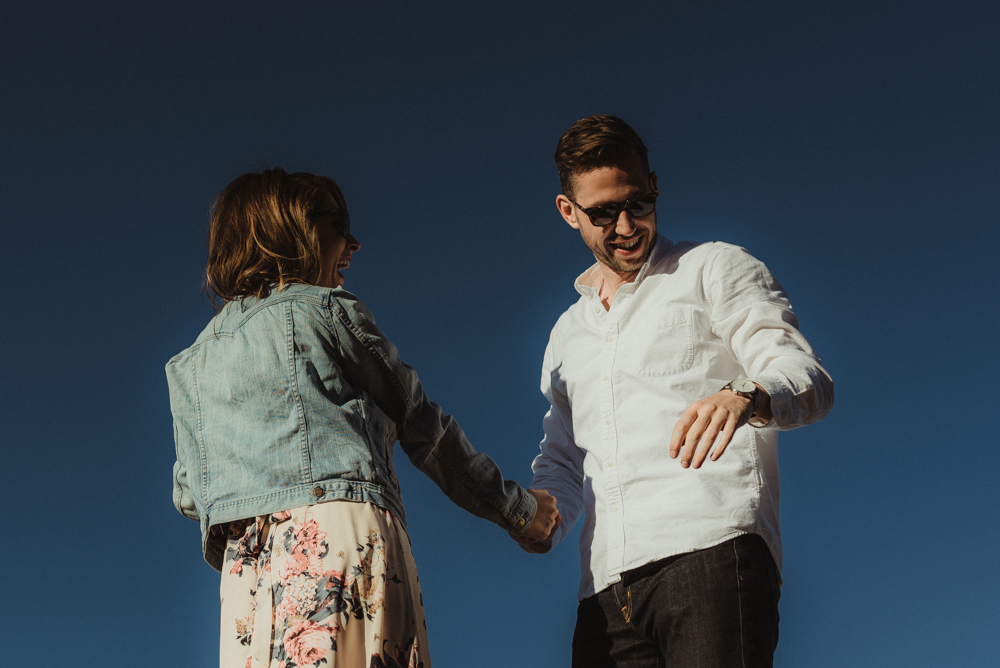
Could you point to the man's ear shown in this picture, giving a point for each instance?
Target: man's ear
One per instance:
(566, 211)
(652, 180)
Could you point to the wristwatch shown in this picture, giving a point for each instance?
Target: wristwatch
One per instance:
(748, 390)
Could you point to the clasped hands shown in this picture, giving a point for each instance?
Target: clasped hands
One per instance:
(543, 525)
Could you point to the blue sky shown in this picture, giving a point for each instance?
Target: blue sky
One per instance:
(853, 146)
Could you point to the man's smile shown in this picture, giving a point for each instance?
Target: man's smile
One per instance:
(627, 246)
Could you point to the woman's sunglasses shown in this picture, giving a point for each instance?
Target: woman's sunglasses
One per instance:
(637, 207)
(340, 218)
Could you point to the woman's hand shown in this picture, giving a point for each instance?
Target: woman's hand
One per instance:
(546, 520)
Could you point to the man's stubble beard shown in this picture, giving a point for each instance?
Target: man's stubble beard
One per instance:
(611, 261)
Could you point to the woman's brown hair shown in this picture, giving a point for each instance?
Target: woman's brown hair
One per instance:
(260, 237)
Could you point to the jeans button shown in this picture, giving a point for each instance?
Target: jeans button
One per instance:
(318, 492)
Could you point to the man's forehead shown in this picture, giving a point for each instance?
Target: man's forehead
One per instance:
(610, 180)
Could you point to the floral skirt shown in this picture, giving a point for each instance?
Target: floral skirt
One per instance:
(332, 584)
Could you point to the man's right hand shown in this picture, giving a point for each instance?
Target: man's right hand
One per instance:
(545, 522)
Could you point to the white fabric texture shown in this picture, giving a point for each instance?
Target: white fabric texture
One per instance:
(617, 381)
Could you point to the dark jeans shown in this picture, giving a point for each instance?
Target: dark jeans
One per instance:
(714, 608)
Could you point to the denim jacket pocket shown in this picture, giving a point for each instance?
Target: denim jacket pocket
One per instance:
(381, 435)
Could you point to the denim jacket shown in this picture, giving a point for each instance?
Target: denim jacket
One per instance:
(298, 399)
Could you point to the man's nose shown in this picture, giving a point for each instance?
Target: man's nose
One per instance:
(624, 225)
(353, 244)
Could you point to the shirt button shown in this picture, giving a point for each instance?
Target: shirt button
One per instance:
(608, 339)
(610, 463)
(605, 379)
(318, 492)
(607, 422)
(614, 509)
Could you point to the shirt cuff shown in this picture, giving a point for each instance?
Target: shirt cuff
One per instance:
(779, 395)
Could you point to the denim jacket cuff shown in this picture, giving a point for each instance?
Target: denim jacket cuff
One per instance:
(522, 514)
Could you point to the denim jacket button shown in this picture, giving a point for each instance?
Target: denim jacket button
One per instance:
(317, 492)
(520, 522)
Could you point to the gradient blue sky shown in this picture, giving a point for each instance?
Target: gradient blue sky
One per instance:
(852, 146)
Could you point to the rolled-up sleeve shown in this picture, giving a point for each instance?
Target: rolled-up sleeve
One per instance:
(432, 440)
(182, 406)
(183, 498)
(752, 314)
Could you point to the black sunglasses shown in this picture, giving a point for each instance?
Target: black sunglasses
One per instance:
(340, 218)
(637, 207)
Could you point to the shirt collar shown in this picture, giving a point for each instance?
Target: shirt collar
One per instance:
(589, 282)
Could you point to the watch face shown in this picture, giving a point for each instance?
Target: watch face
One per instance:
(743, 385)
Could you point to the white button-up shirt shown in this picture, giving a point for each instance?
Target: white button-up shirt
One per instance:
(696, 317)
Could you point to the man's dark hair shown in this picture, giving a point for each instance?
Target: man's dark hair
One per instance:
(594, 142)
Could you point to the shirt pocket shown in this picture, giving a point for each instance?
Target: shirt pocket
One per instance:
(662, 344)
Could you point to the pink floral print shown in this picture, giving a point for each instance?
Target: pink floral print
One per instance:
(319, 586)
(307, 642)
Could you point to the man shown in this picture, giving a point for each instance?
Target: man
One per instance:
(668, 381)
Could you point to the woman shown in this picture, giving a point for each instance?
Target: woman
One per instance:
(286, 409)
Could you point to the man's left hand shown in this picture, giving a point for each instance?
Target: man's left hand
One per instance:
(706, 420)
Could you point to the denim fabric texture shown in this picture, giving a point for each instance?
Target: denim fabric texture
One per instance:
(713, 608)
(298, 399)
